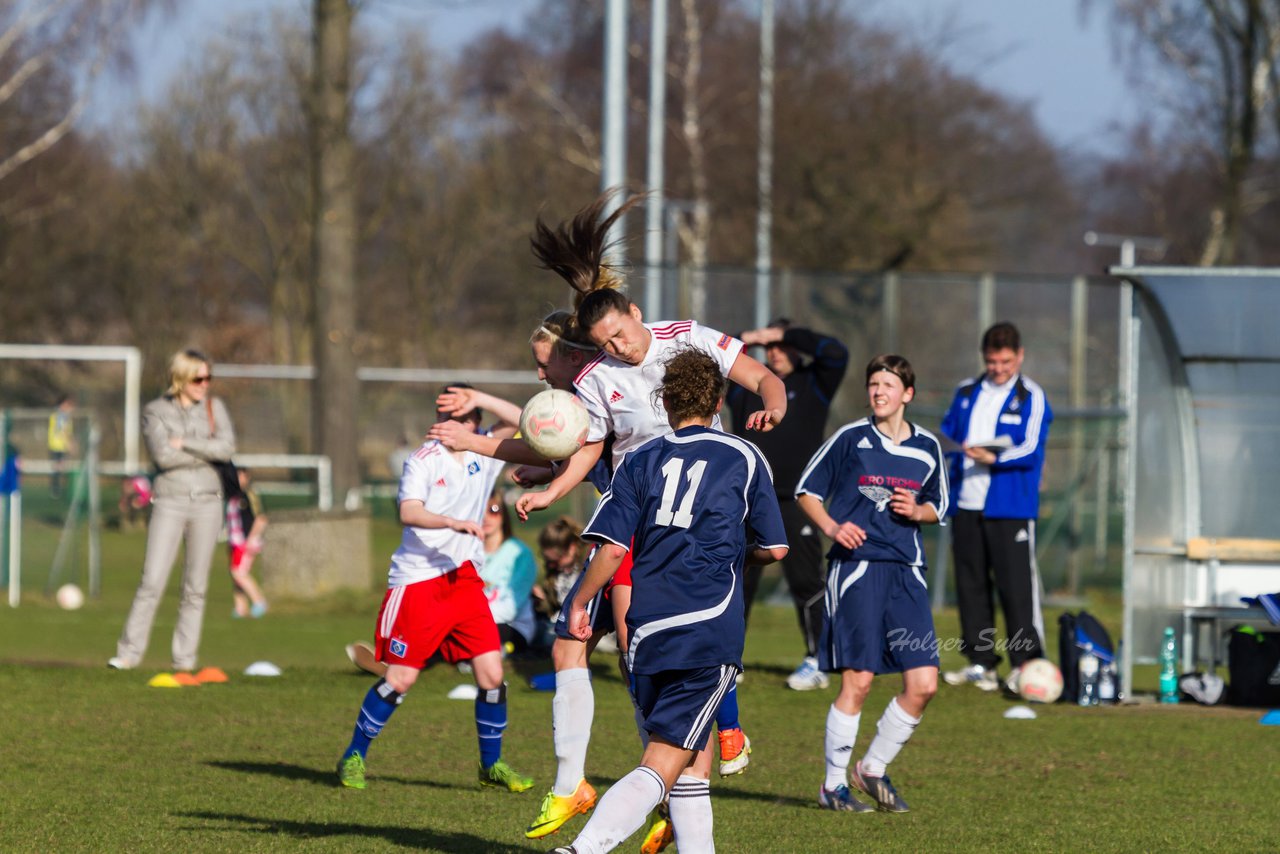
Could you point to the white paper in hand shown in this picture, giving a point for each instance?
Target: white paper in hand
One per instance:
(995, 444)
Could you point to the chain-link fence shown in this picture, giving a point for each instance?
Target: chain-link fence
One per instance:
(1069, 326)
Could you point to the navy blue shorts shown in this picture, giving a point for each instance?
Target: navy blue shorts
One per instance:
(680, 705)
(878, 618)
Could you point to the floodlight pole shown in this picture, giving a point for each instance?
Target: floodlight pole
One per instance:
(657, 131)
(764, 168)
(613, 160)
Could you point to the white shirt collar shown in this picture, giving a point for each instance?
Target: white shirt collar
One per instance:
(990, 387)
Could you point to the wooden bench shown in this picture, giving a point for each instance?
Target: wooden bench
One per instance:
(1215, 551)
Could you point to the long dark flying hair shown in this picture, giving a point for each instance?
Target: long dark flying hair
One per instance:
(576, 250)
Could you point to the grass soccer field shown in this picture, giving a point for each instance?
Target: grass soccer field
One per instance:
(97, 761)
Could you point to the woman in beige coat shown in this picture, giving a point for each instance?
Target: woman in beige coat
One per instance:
(185, 430)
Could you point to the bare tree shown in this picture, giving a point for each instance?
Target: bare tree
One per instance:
(1225, 52)
(69, 41)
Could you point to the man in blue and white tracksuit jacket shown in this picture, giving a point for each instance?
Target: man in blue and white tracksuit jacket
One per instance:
(1001, 420)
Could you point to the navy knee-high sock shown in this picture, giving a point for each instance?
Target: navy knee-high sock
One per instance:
(491, 720)
(727, 714)
(375, 711)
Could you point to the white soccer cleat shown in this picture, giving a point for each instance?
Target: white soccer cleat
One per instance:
(807, 677)
(975, 674)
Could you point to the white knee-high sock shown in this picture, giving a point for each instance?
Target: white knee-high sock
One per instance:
(893, 731)
(621, 812)
(572, 710)
(842, 732)
(690, 806)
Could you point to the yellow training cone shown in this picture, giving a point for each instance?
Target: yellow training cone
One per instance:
(164, 680)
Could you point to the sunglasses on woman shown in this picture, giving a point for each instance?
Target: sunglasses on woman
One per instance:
(204, 380)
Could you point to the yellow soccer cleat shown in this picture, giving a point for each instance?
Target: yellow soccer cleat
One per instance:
(556, 810)
(660, 833)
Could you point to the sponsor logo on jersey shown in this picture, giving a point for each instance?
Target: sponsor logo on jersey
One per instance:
(473, 467)
(864, 442)
(615, 397)
(889, 481)
(879, 488)
(878, 495)
(441, 482)
(723, 343)
(399, 647)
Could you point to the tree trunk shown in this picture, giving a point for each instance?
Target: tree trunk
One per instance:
(335, 394)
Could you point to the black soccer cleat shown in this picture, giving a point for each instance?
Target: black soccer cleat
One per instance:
(880, 790)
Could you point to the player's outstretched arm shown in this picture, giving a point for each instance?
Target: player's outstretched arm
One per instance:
(575, 469)
(461, 401)
(527, 477)
(415, 513)
(756, 378)
(458, 437)
(846, 534)
(602, 568)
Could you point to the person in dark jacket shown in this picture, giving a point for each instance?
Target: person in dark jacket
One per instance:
(811, 367)
(1001, 421)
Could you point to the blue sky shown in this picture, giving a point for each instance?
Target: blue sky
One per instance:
(1039, 51)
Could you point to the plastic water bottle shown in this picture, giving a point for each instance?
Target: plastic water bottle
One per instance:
(1088, 679)
(1107, 683)
(1169, 667)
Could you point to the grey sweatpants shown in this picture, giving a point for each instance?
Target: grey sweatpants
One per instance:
(198, 520)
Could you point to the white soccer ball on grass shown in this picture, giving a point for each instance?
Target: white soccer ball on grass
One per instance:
(1039, 681)
(554, 423)
(69, 597)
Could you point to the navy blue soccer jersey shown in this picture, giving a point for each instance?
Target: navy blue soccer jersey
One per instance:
(854, 474)
(687, 498)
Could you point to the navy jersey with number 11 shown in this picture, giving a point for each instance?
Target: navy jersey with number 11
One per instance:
(687, 499)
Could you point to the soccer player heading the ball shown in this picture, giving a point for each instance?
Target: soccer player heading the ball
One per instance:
(680, 502)
(880, 479)
(435, 601)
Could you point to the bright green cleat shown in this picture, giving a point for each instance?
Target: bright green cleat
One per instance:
(502, 775)
(556, 810)
(351, 771)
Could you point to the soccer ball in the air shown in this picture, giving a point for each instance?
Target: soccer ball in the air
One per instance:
(554, 423)
(69, 597)
(1039, 681)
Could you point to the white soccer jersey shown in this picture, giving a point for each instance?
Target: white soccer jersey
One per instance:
(451, 486)
(620, 397)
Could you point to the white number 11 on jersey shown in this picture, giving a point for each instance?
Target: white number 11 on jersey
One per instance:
(682, 517)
